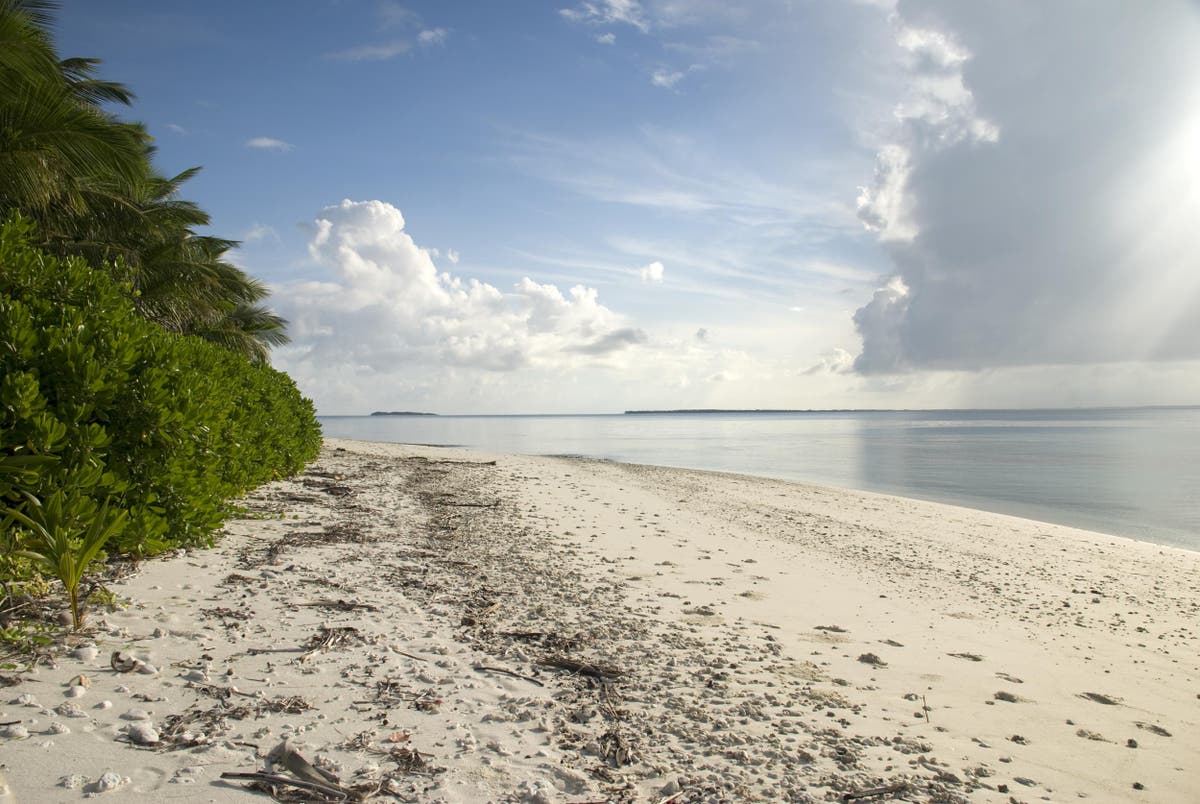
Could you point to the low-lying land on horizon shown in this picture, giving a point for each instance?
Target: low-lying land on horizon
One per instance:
(445, 625)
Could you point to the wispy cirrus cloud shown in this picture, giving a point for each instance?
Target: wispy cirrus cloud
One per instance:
(608, 12)
(374, 52)
(269, 144)
(392, 15)
(260, 231)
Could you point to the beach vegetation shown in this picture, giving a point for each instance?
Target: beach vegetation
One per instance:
(123, 420)
(136, 393)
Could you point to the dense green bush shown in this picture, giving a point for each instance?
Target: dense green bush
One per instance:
(163, 427)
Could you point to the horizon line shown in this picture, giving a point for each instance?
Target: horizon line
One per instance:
(679, 411)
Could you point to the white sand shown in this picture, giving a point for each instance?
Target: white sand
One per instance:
(738, 608)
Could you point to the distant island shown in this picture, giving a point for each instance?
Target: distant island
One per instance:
(401, 413)
(748, 410)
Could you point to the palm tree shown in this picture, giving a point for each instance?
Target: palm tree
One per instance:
(88, 182)
(56, 142)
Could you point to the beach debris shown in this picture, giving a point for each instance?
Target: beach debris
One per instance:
(307, 782)
(615, 748)
(1007, 697)
(142, 733)
(286, 755)
(876, 792)
(833, 629)
(598, 671)
(328, 638)
(70, 709)
(1090, 735)
(122, 662)
(1153, 729)
(339, 604)
(489, 669)
(872, 659)
(970, 657)
(107, 782)
(127, 663)
(14, 731)
(1100, 698)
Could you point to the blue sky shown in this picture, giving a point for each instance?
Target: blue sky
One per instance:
(592, 206)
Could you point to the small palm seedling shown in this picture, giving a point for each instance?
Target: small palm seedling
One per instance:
(65, 537)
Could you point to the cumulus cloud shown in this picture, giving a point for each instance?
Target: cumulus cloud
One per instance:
(652, 272)
(606, 38)
(269, 144)
(1037, 194)
(386, 307)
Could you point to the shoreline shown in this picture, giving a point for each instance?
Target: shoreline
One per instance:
(742, 638)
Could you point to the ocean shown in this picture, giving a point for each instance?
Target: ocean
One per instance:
(1125, 471)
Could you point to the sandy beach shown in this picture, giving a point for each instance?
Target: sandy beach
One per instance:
(435, 624)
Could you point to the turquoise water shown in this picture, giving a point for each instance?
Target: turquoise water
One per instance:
(1130, 472)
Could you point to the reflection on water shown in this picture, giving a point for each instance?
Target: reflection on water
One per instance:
(1133, 472)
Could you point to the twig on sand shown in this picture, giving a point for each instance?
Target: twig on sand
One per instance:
(875, 792)
(334, 792)
(671, 799)
(583, 668)
(340, 605)
(484, 667)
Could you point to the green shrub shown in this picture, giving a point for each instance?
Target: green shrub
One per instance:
(165, 427)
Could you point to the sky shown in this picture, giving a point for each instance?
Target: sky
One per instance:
(598, 205)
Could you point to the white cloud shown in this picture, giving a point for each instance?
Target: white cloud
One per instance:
(836, 361)
(178, 129)
(269, 144)
(667, 79)
(452, 255)
(652, 272)
(606, 38)
(260, 231)
(388, 308)
(606, 12)
(376, 52)
(432, 36)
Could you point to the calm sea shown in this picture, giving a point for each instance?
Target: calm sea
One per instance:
(1130, 472)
